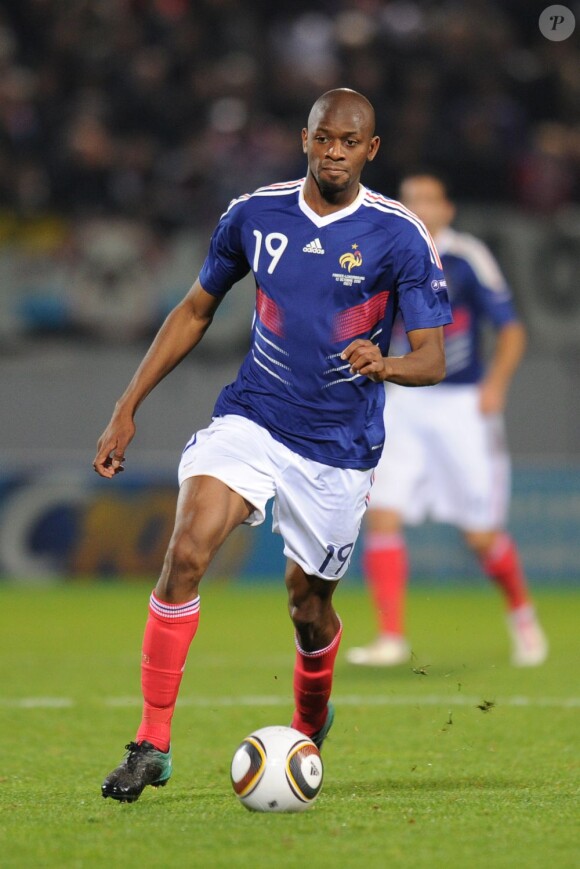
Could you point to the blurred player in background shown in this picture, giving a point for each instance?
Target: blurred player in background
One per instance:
(446, 455)
(303, 421)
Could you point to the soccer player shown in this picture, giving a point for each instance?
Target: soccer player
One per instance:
(446, 455)
(303, 421)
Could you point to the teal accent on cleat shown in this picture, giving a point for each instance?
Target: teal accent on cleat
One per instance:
(143, 765)
(319, 737)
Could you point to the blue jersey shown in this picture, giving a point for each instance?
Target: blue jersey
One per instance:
(479, 295)
(321, 282)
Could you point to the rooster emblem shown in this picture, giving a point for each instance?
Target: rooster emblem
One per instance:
(352, 259)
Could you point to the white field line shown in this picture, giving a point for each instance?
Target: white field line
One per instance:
(37, 703)
(359, 700)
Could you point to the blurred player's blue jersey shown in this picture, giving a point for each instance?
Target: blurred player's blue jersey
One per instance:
(321, 282)
(478, 294)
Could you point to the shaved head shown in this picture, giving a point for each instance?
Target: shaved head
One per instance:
(344, 101)
(338, 141)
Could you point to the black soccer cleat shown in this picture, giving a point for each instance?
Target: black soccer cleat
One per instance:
(143, 765)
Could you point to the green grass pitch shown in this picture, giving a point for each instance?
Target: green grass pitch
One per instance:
(416, 774)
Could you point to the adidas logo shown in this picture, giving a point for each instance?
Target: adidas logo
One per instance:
(313, 247)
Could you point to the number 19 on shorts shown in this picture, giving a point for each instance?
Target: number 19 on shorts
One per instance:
(337, 558)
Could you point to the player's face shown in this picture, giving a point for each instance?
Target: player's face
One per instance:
(426, 197)
(338, 142)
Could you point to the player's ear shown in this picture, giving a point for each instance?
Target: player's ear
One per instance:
(373, 148)
(305, 140)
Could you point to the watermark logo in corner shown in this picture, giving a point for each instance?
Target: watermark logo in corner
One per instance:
(557, 23)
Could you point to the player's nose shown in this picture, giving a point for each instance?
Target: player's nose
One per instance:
(334, 150)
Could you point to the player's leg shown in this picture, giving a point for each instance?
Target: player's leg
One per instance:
(385, 566)
(318, 511)
(207, 511)
(500, 561)
(400, 494)
(479, 478)
(318, 633)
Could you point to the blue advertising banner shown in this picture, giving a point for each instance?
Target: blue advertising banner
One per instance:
(64, 524)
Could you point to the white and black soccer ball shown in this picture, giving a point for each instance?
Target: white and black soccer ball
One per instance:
(277, 769)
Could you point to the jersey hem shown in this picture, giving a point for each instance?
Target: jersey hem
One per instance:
(312, 455)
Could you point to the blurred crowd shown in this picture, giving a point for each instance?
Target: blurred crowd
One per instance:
(163, 110)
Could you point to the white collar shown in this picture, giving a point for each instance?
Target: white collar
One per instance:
(320, 221)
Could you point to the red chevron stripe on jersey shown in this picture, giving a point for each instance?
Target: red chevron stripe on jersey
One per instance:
(269, 313)
(360, 319)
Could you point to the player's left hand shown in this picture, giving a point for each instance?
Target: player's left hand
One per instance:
(365, 358)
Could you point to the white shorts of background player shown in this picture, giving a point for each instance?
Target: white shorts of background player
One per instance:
(443, 459)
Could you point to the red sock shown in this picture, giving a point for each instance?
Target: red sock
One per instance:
(169, 631)
(502, 564)
(386, 570)
(312, 685)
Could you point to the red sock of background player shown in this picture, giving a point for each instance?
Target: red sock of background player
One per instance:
(386, 569)
(502, 564)
(169, 631)
(313, 673)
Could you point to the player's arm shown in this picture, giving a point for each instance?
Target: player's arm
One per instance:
(181, 331)
(510, 345)
(424, 365)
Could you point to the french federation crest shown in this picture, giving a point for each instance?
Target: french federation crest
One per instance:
(351, 260)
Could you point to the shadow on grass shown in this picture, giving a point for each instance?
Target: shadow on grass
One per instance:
(209, 801)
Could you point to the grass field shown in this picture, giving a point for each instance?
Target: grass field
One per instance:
(416, 775)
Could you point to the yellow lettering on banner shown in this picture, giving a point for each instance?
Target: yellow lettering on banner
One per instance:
(124, 535)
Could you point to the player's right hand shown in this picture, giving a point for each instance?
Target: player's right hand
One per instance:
(112, 445)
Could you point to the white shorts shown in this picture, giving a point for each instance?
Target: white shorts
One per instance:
(317, 508)
(443, 459)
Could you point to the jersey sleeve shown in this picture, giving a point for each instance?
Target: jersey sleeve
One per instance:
(226, 261)
(491, 292)
(422, 289)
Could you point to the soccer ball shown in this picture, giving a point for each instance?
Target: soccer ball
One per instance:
(277, 769)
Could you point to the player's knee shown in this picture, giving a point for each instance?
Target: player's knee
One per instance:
(305, 612)
(481, 542)
(186, 561)
(309, 613)
(315, 622)
(310, 607)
